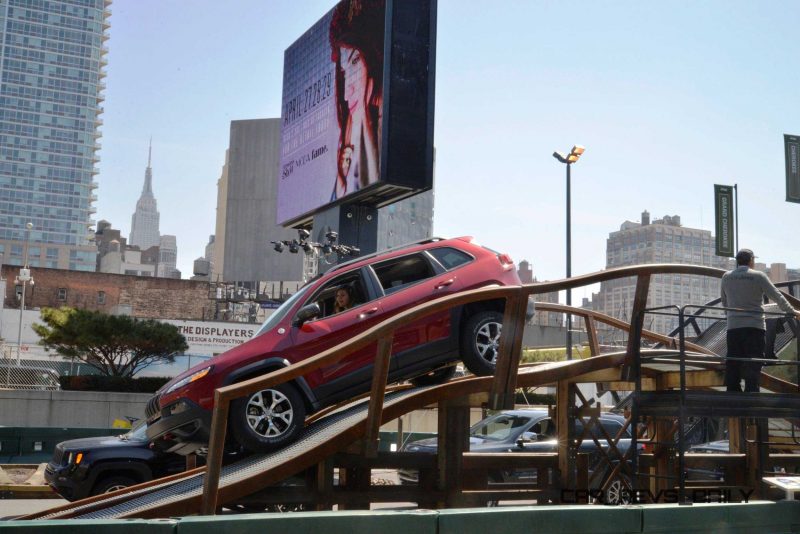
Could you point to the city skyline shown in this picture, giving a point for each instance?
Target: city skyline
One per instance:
(668, 102)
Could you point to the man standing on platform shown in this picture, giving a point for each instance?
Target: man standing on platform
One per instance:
(744, 288)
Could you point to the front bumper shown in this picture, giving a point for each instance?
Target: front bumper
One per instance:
(182, 427)
(64, 480)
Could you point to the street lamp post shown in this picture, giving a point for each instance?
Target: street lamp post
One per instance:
(568, 160)
(24, 277)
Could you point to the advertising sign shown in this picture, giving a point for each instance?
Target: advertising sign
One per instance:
(791, 144)
(339, 130)
(723, 217)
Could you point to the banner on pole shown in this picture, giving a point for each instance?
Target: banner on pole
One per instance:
(791, 146)
(724, 223)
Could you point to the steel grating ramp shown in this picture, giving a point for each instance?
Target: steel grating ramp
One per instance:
(315, 434)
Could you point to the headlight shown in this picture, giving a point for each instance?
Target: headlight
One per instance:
(76, 457)
(189, 379)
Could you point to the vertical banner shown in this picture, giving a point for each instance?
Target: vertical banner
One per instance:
(791, 145)
(723, 218)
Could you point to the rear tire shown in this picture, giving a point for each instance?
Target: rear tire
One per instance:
(480, 342)
(439, 376)
(269, 419)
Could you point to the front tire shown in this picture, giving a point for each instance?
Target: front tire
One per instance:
(480, 342)
(107, 485)
(269, 419)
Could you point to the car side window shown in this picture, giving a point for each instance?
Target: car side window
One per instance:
(545, 428)
(450, 258)
(401, 272)
(351, 284)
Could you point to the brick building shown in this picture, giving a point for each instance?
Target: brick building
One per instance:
(139, 296)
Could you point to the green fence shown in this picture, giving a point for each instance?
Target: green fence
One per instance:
(761, 517)
(36, 445)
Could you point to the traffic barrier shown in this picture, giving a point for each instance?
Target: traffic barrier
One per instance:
(552, 519)
(90, 526)
(367, 522)
(758, 516)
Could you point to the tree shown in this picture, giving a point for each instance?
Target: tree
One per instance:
(115, 345)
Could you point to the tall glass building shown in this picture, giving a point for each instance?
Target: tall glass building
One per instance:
(52, 57)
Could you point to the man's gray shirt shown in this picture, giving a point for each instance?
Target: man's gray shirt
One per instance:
(745, 288)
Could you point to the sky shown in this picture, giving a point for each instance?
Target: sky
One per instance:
(668, 98)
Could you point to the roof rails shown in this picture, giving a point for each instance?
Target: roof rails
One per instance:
(368, 256)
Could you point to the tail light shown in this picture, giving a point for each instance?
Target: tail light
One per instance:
(505, 260)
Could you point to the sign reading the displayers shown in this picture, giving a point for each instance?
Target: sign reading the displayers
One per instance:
(791, 145)
(724, 222)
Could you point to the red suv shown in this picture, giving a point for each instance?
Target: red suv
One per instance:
(334, 307)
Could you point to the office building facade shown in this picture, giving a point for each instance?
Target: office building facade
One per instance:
(52, 59)
(662, 241)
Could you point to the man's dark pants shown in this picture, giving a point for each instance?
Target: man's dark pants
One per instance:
(744, 343)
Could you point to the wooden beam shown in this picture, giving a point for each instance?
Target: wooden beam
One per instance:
(510, 350)
(694, 379)
(591, 333)
(637, 323)
(375, 411)
(453, 442)
(565, 399)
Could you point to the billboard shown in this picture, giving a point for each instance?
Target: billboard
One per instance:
(724, 223)
(357, 108)
(791, 145)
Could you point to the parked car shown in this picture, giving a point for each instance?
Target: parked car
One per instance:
(379, 286)
(92, 466)
(526, 430)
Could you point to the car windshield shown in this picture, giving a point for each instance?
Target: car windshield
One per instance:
(137, 433)
(499, 427)
(278, 315)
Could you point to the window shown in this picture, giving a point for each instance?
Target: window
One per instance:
(400, 272)
(101, 297)
(450, 258)
(62, 294)
(350, 282)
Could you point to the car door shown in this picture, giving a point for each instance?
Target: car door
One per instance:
(331, 329)
(408, 281)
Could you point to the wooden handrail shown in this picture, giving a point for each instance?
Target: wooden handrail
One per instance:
(507, 361)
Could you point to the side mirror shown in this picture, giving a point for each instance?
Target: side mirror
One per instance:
(306, 313)
(526, 437)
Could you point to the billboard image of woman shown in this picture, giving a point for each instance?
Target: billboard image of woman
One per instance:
(332, 109)
(356, 38)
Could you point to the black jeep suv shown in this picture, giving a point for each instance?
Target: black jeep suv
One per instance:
(91, 466)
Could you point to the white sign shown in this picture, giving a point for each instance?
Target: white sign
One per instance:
(211, 338)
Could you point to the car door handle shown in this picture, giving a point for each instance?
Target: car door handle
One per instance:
(445, 284)
(368, 312)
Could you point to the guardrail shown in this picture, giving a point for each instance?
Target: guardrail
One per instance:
(507, 363)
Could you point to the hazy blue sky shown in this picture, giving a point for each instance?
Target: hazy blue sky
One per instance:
(668, 98)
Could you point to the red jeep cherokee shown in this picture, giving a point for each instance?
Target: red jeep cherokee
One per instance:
(380, 286)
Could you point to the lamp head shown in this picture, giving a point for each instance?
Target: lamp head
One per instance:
(578, 150)
(560, 157)
(278, 246)
(303, 234)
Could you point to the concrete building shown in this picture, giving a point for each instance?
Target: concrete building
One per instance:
(525, 272)
(168, 257)
(52, 62)
(662, 241)
(250, 207)
(145, 220)
(218, 251)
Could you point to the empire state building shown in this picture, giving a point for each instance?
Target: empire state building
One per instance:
(144, 223)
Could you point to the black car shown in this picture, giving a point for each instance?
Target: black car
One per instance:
(526, 430)
(91, 466)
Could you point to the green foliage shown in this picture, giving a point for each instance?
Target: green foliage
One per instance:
(147, 384)
(556, 354)
(115, 345)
